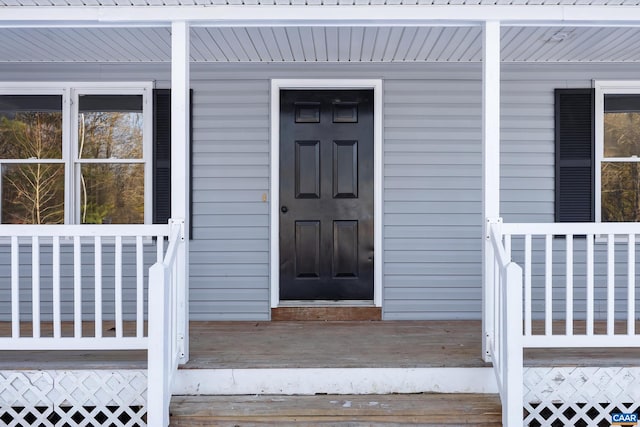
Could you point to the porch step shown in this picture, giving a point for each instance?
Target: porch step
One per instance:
(427, 409)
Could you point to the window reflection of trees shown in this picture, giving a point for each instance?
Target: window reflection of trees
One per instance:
(32, 193)
(621, 180)
(111, 192)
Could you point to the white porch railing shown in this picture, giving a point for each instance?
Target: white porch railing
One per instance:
(164, 348)
(68, 284)
(577, 289)
(505, 344)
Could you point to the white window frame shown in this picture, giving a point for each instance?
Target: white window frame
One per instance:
(602, 88)
(70, 92)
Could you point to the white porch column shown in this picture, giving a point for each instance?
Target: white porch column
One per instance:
(490, 165)
(180, 168)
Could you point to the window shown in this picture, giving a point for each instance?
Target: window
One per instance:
(111, 159)
(31, 160)
(77, 154)
(617, 132)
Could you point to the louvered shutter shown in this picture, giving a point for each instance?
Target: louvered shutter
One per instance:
(574, 146)
(161, 156)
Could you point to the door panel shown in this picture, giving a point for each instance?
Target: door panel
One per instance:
(307, 169)
(345, 249)
(307, 249)
(345, 169)
(326, 194)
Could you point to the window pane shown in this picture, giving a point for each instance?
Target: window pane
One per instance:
(620, 191)
(621, 125)
(110, 127)
(33, 194)
(112, 193)
(30, 126)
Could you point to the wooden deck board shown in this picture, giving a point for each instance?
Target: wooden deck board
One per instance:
(314, 344)
(388, 410)
(404, 344)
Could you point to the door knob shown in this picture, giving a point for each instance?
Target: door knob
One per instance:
(284, 209)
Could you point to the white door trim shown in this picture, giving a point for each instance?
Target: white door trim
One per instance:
(276, 86)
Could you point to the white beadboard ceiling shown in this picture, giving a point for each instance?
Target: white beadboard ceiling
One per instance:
(320, 44)
(310, 2)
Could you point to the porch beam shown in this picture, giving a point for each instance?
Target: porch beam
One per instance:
(180, 136)
(490, 167)
(312, 15)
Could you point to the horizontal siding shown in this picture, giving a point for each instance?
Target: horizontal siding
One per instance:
(432, 176)
(432, 193)
(230, 251)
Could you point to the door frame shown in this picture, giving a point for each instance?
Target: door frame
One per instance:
(276, 86)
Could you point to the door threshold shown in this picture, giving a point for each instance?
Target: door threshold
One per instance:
(326, 303)
(325, 312)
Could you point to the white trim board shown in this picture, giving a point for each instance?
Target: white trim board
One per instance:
(276, 86)
(310, 381)
(319, 15)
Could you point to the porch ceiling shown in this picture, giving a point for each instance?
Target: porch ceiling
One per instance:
(320, 44)
(310, 2)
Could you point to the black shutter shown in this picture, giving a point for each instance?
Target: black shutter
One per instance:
(574, 145)
(161, 155)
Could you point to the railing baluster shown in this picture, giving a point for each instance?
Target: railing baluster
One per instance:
(527, 284)
(159, 248)
(496, 312)
(548, 285)
(507, 245)
(139, 287)
(35, 284)
(631, 284)
(15, 287)
(118, 285)
(57, 319)
(174, 310)
(569, 296)
(611, 284)
(77, 287)
(590, 313)
(97, 247)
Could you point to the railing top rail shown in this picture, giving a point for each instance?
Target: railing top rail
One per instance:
(84, 230)
(496, 241)
(575, 228)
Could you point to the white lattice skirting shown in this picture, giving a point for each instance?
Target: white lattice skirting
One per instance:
(585, 396)
(59, 398)
(566, 396)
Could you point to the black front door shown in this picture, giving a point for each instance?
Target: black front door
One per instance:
(326, 194)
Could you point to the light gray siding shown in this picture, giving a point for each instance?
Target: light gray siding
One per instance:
(432, 196)
(432, 174)
(230, 250)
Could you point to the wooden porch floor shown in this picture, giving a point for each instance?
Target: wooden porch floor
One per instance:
(314, 344)
(347, 411)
